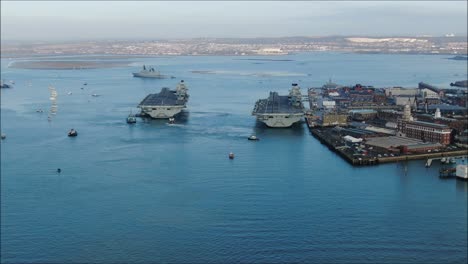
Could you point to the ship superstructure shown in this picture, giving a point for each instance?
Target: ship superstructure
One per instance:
(280, 110)
(167, 103)
(150, 72)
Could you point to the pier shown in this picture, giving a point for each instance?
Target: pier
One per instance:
(359, 159)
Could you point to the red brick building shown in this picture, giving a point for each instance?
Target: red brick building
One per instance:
(426, 131)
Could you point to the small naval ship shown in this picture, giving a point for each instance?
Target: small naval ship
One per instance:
(165, 104)
(280, 111)
(150, 73)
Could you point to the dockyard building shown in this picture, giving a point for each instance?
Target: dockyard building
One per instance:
(425, 131)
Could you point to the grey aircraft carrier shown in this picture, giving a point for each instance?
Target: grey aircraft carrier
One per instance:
(165, 104)
(280, 110)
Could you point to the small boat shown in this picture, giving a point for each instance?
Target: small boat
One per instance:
(131, 119)
(69, 93)
(253, 137)
(4, 85)
(72, 133)
(3, 136)
(443, 160)
(95, 95)
(231, 155)
(453, 161)
(40, 111)
(171, 120)
(85, 83)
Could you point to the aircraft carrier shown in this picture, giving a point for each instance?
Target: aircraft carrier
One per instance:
(280, 111)
(165, 104)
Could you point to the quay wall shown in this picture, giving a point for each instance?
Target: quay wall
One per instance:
(374, 161)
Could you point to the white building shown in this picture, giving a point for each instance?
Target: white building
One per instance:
(327, 103)
(404, 100)
(271, 51)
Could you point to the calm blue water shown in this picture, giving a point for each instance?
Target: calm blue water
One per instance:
(157, 193)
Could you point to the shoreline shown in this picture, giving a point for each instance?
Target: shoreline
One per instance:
(129, 56)
(66, 65)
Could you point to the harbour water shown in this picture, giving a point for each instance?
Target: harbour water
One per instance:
(153, 192)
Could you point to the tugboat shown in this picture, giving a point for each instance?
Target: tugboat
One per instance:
(72, 133)
(253, 137)
(231, 155)
(131, 119)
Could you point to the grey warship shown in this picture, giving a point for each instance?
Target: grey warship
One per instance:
(165, 104)
(280, 110)
(151, 73)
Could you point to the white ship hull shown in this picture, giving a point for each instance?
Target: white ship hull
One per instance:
(162, 112)
(279, 120)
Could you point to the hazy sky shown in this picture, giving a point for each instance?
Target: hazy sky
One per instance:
(65, 20)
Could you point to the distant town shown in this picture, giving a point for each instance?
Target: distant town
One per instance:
(449, 44)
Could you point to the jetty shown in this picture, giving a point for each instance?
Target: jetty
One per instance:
(359, 156)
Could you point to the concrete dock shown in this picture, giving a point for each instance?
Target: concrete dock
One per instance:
(355, 159)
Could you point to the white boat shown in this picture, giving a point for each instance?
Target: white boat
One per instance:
(53, 102)
(443, 160)
(53, 93)
(253, 137)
